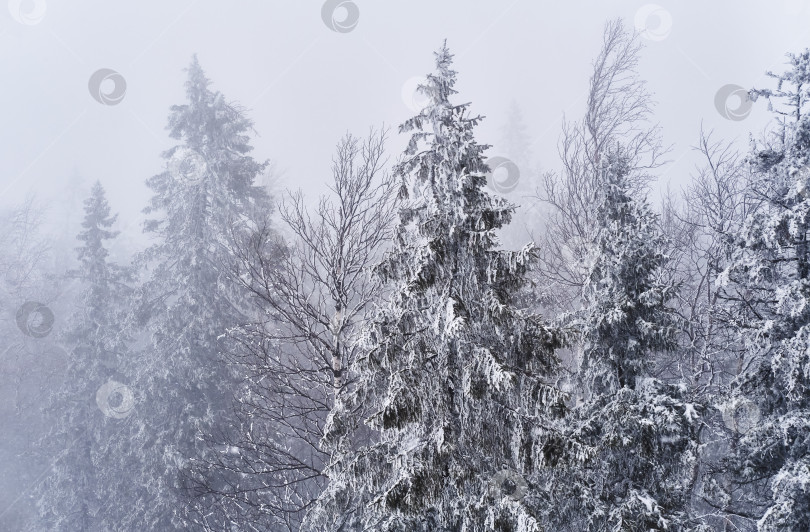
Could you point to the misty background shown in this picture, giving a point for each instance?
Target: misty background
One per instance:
(305, 85)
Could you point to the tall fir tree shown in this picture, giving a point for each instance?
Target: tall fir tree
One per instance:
(517, 182)
(515, 139)
(76, 494)
(643, 430)
(768, 286)
(454, 375)
(626, 319)
(206, 197)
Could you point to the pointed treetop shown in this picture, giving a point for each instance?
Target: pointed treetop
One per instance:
(446, 77)
(96, 228)
(197, 80)
(438, 86)
(97, 209)
(440, 120)
(97, 189)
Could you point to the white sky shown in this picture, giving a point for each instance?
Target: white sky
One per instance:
(306, 85)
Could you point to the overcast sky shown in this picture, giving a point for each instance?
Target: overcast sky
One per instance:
(305, 84)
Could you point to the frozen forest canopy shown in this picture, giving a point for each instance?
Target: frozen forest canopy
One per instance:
(412, 350)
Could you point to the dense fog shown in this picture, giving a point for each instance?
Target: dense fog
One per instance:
(465, 266)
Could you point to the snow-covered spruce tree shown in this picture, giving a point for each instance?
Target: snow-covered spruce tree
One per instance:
(768, 283)
(183, 384)
(453, 378)
(75, 493)
(643, 430)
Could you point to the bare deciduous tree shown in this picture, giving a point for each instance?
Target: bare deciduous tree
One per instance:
(714, 206)
(701, 233)
(311, 296)
(618, 111)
